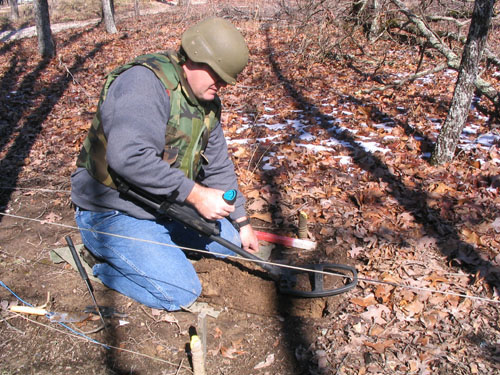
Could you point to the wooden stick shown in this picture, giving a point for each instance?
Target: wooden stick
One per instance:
(28, 310)
(302, 225)
(197, 356)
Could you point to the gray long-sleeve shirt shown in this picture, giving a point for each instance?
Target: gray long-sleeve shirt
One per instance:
(134, 118)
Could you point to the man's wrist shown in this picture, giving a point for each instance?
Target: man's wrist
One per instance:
(194, 195)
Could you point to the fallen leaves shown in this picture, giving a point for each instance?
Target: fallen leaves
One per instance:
(365, 301)
(413, 308)
(164, 316)
(378, 314)
(380, 346)
(265, 216)
(383, 292)
(356, 251)
(257, 205)
(431, 318)
(266, 363)
(440, 188)
(471, 237)
(52, 217)
(231, 352)
(435, 278)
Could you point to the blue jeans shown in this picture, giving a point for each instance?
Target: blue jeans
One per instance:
(156, 273)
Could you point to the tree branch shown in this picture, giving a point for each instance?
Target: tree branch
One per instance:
(448, 19)
(453, 60)
(400, 82)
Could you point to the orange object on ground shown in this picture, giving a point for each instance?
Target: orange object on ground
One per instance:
(286, 241)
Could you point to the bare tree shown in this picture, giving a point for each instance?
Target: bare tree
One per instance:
(108, 14)
(46, 46)
(464, 89)
(137, 12)
(367, 14)
(315, 25)
(14, 10)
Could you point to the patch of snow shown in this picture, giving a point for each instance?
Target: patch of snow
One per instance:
(372, 147)
(386, 126)
(237, 141)
(305, 136)
(373, 143)
(266, 117)
(275, 127)
(344, 160)
(314, 148)
(471, 129)
(434, 120)
(334, 142)
(488, 140)
(271, 138)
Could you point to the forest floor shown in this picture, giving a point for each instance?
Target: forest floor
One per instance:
(304, 136)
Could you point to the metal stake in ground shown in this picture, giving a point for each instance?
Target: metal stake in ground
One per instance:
(84, 276)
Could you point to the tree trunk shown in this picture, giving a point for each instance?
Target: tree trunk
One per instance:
(108, 14)
(375, 25)
(367, 14)
(46, 46)
(464, 89)
(136, 8)
(14, 10)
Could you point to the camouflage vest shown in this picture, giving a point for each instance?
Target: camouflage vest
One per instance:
(187, 130)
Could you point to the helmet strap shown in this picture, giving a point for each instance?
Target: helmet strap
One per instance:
(182, 56)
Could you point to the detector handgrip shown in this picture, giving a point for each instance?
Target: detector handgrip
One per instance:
(230, 196)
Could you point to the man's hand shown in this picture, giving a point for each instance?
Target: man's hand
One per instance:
(209, 202)
(249, 240)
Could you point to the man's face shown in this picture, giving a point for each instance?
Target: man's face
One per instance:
(203, 80)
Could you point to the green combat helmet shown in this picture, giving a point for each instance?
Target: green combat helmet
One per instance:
(216, 42)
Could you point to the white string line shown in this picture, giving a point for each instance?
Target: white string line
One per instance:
(95, 342)
(297, 268)
(423, 289)
(261, 261)
(33, 189)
